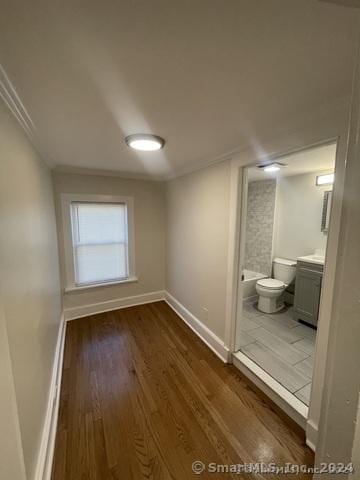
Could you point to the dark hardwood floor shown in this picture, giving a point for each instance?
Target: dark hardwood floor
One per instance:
(143, 398)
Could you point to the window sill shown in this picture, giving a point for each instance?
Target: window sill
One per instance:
(100, 285)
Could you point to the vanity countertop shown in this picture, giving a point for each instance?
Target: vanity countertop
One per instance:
(317, 259)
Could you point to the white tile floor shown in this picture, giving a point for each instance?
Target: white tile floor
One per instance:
(280, 345)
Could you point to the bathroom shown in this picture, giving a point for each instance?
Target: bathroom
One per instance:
(285, 223)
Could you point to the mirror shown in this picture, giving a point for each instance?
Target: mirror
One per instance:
(325, 218)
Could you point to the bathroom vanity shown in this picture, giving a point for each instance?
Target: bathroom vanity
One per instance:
(309, 273)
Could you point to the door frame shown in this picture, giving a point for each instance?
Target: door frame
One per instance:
(339, 435)
(239, 164)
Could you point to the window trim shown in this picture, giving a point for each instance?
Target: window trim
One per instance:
(69, 274)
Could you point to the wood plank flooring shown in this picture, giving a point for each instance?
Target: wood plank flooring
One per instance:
(143, 398)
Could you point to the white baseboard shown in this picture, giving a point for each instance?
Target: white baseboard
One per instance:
(311, 435)
(206, 335)
(100, 307)
(47, 444)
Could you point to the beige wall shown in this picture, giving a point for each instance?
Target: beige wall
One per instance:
(197, 243)
(11, 455)
(149, 219)
(30, 289)
(299, 205)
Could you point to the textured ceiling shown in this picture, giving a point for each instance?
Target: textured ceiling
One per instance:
(209, 76)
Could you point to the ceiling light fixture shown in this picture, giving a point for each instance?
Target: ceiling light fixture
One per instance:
(272, 167)
(145, 142)
(327, 179)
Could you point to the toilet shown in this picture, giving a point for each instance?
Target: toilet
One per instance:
(271, 289)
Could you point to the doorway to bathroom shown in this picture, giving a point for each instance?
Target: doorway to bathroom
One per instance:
(285, 220)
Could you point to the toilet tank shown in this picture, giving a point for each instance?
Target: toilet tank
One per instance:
(284, 270)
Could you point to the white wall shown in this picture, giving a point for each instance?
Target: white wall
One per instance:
(149, 219)
(298, 216)
(30, 287)
(197, 243)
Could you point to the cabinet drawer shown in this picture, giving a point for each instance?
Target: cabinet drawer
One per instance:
(310, 266)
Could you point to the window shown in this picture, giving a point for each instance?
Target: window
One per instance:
(98, 240)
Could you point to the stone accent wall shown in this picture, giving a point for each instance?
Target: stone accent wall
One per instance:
(259, 226)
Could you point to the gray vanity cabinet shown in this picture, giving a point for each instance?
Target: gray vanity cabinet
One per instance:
(307, 292)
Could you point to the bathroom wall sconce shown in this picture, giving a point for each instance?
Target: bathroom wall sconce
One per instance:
(327, 179)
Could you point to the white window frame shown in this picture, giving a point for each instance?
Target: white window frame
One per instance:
(66, 200)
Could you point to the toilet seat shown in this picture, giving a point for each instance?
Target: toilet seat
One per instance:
(271, 283)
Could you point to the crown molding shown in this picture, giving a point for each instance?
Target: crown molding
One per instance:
(70, 170)
(13, 101)
(201, 164)
(187, 169)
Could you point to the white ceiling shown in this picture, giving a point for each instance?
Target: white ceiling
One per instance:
(317, 159)
(207, 75)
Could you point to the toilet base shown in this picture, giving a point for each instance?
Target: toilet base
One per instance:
(270, 305)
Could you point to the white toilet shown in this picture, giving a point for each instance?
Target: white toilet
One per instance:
(271, 289)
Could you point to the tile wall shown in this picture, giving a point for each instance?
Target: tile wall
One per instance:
(259, 226)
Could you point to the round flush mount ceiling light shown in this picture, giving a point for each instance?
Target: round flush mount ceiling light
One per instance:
(145, 142)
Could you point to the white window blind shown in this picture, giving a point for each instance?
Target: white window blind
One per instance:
(100, 242)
